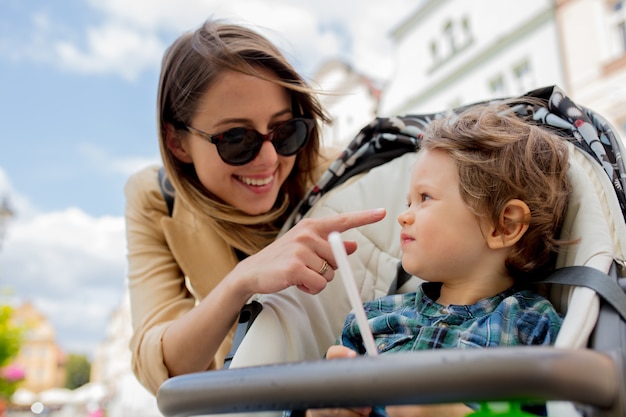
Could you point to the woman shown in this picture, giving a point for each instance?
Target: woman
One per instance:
(239, 139)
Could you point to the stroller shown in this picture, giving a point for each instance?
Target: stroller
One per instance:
(583, 375)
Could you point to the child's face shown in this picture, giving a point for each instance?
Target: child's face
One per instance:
(441, 238)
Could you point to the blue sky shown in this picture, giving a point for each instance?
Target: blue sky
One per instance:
(78, 89)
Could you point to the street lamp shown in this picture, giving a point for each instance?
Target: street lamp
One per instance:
(6, 214)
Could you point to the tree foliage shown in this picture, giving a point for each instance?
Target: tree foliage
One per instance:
(10, 336)
(10, 342)
(77, 370)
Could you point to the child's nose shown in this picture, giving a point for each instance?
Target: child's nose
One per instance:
(405, 218)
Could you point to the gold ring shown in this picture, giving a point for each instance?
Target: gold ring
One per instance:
(324, 268)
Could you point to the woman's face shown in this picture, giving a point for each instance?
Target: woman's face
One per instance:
(239, 100)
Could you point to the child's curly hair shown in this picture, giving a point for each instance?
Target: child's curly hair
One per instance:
(501, 156)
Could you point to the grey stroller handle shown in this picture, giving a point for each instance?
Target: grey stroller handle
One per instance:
(435, 376)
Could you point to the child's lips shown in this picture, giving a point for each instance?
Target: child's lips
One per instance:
(405, 238)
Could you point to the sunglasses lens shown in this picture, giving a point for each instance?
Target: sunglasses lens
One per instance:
(239, 146)
(290, 137)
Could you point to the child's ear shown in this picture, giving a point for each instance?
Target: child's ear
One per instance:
(513, 223)
(175, 144)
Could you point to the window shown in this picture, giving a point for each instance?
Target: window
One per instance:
(467, 33)
(433, 51)
(523, 77)
(617, 19)
(455, 36)
(496, 86)
(448, 33)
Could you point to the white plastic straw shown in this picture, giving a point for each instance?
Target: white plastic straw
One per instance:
(353, 293)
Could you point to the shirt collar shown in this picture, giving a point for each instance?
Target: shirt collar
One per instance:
(428, 292)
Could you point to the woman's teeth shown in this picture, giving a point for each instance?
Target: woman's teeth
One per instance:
(256, 181)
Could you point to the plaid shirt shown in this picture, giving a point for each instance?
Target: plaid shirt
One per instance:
(414, 321)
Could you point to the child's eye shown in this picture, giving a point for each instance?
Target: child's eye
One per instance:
(425, 197)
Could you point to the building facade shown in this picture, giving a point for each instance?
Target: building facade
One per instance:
(41, 358)
(453, 52)
(593, 39)
(350, 98)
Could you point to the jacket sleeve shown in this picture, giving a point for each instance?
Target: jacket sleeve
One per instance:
(156, 284)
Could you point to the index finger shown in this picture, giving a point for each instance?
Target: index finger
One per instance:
(344, 221)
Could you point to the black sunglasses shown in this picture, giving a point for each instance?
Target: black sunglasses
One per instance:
(240, 145)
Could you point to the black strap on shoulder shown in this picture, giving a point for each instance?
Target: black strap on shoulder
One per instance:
(166, 190)
(248, 314)
(607, 287)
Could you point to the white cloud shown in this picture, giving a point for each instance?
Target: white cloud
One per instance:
(129, 165)
(42, 21)
(292, 25)
(99, 159)
(70, 231)
(70, 265)
(157, 15)
(112, 49)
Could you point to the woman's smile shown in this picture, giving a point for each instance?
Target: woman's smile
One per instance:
(255, 181)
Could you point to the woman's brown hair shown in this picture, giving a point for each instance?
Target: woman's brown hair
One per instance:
(189, 67)
(501, 156)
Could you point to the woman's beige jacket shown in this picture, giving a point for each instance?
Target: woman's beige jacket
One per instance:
(173, 262)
